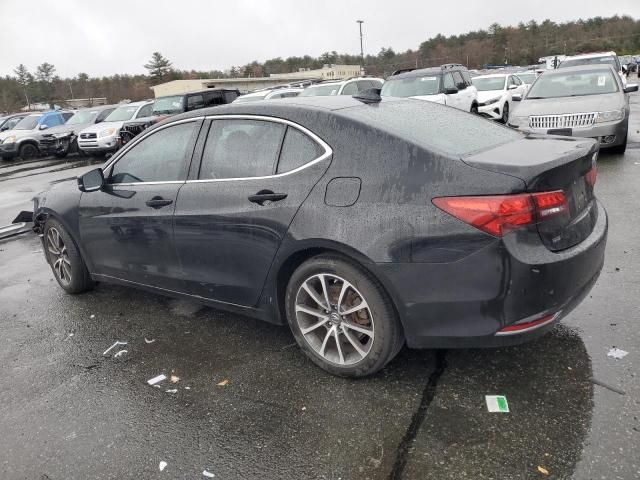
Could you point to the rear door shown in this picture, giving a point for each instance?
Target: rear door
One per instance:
(230, 219)
(127, 227)
(451, 99)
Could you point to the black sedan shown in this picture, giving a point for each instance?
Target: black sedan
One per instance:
(363, 225)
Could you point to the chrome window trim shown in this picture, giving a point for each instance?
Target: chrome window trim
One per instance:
(328, 151)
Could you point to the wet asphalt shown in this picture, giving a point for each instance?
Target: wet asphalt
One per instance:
(247, 404)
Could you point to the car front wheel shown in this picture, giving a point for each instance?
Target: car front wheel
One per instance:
(505, 114)
(65, 259)
(341, 317)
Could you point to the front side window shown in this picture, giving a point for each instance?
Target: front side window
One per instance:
(459, 81)
(104, 114)
(466, 77)
(53, 120)
(28, 123)
(213, 98)
(297, 149)
(145, 111)
(448, 81)
(241, 148)
(160, 157)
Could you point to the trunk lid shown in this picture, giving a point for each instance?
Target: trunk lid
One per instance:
(549, 163)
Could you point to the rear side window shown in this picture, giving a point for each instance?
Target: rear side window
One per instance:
(447, 81)
(241, 149)
(53, 120)
(457, 78)
(104, 114)
(230, 96)
(194, 102)
(160, 157)
(297, 149)
(350, 89)
(213, 98)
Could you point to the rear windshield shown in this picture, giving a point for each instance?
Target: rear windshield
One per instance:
(411, 86)
(320, 91)
(573, 84)
(489, 83)
(435, 127)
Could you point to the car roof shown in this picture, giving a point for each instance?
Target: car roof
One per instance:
(591, 55)
(135, 104)
(494, 75)
(579, 68)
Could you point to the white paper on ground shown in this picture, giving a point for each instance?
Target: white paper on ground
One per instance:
(208, 474)
(162, 465)
(497, 403)
(157, 379)
(114, 346)
(617, 353)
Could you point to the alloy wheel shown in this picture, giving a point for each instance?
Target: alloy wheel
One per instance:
(334, 319)
(59, 256)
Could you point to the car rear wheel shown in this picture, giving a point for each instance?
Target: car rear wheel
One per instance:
(65, 259)
(474, 109)
(505, 114)
(341, 317)
(28, 151)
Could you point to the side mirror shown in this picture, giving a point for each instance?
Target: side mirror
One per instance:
(631, 87)
(91, 181)
(516, 97)
(4, 129)
(450, 90)
(43, 127)
(512, 87)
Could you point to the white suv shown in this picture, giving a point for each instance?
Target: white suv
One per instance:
(341, 87)
(448, 84)
(495, 94)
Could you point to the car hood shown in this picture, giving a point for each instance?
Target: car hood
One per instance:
(66, 129)
(98, 127)
(489, 94)
(18, 134)
(582, 104)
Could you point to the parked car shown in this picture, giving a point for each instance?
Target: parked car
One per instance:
(342, 87)
(9, 121)
(174, 104)
(103, 138)
(528, 77)
(293, 212)
(269, 95)
(600, 58)
(22, 141)
(63, 139)
(586, 101)
(494, 94)
(449, 85)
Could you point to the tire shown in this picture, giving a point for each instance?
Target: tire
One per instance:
(505, 113)
(348, 344)
(620, 149)
(28, 151)
(474, 109)
(64, 258)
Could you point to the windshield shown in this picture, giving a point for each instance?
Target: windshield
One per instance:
(411, 87)
(527, 78)
(168, 105)
(320, 91)
(251, 98)
(572, 84)
(28, 123)
(122, 114)
(574, 62)
(83, 116)
(488, 83)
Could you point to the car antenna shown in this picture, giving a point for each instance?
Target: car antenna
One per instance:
(372, 95)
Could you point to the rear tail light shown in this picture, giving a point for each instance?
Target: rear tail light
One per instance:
(499, 214)
(592, 175)
(527, 325)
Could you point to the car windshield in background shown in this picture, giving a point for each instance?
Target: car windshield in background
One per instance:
(27, 123)
(121, 114)
(251, 98)
(572, 84)
(489, 83)
(574, 62)
(527, 78)
(320, 91)
(83, 116)
(168, 105)
(411, 87)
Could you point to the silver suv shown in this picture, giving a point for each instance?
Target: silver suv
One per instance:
(350, 86)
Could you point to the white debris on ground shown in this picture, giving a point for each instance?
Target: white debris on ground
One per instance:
(174, 379)
(617, 353)
(119, 353)
(173, 390)
(149, 341)
(157, 379)
(162, 465)
(497, 403)
(208, 474)
(113, 346)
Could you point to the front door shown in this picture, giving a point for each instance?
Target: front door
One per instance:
(127, 227)
(230, 221)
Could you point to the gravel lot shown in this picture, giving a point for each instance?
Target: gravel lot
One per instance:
(249, 405)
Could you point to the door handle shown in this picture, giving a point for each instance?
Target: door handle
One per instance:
(158, 202)
(266, 196)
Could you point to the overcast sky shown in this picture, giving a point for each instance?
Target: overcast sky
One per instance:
(115, 36)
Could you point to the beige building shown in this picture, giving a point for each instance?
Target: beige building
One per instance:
(327, 72)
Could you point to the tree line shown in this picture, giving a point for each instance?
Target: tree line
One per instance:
(523, 45)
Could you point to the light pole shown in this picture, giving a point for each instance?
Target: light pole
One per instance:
(360, 22)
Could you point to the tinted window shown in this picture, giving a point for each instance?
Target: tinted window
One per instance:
(160, 157)
(350, 89)
(297, 149)
(11, 123)
(212, 99)
(448, 81)
(230, 96)
(457, 78)
(241, 148)
(145, 111)
(194, 102)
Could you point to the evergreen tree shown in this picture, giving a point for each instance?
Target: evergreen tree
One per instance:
(159, 66)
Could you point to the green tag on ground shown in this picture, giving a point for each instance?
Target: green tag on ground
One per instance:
(497, 403)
